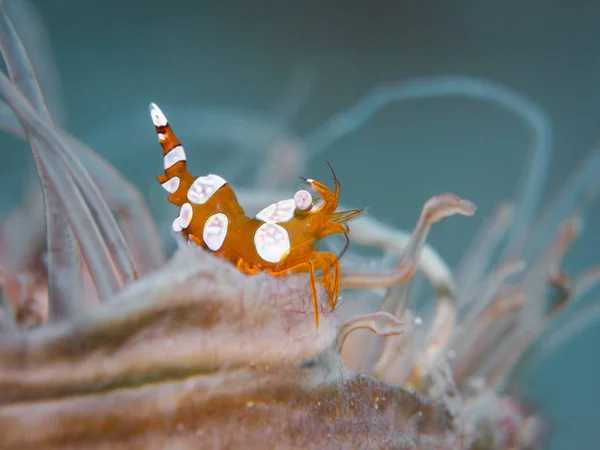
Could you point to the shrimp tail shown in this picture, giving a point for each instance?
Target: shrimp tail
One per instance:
(176, 175)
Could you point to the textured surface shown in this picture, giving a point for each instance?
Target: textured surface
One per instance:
(200, 356)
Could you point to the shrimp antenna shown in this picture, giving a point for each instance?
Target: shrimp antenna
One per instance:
(330, 168)
(345, 249)
(336, 182)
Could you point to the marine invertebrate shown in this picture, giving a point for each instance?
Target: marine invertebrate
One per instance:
(196, 354)
(280, 239)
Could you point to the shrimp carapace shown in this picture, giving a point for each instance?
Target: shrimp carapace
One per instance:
(281, 239)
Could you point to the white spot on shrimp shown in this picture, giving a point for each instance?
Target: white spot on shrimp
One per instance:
(171, 185)
(185, 215)
(203, 188)
(272, 242)
(215, 230)
(161, 137)
(176, 225)
(174, 156)
(281, 211)
(303, 200)
(158, 118)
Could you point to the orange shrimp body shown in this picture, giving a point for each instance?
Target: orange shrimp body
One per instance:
(281, 239)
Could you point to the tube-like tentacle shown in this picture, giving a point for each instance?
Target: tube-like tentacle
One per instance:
(476, 260)
(484, 294)
(534, 314)
(581, 188)
(562, 332)
(436, 209)
(88, 235)
(22, 70)
(584, 284)
(350, 120)
(18, 65)
(33, 33)
(394, 303)
(473, 343)
(380, 323)
(64, 269)
(139, 227)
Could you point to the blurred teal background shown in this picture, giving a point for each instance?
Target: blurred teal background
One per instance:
(114, 57)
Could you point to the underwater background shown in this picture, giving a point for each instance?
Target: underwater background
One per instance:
(297, 64)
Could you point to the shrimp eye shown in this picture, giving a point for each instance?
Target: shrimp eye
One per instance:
(303, 200)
